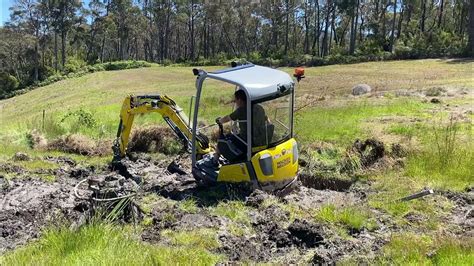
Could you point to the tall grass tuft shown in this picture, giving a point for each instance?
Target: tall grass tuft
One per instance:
(103, 244)
(447, 159)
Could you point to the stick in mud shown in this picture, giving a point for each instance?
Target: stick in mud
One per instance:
(420, 194)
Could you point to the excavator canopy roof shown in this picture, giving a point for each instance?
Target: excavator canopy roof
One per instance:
(259, 82)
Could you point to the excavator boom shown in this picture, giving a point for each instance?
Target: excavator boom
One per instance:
(171, 113)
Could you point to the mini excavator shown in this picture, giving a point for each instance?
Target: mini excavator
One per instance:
(270, 165)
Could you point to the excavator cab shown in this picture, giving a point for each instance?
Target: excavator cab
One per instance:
(266, 155)
(260, 150)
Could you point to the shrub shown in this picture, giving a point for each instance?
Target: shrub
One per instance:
(81, 118)
(8, 83)
(120, 65)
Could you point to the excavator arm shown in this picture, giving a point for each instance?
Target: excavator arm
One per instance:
(171, 113)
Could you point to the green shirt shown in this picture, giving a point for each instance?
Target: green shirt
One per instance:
(258, 123)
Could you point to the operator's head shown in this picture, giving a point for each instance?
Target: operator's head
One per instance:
(240, 98)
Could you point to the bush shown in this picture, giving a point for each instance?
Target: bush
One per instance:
(120, 65)
(79, 119)
(74, 65)
(8, 83)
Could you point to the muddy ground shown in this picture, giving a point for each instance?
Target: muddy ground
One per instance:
(29, 204)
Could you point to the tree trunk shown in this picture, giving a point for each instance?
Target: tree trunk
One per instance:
(354, 19)
(191, 44)
(470, 45)
(392, 34)
(36, 71)
(400, 22)
(317, 25)
(423, 15)
(333, 28)
(441, 10)
(306, 26)
(287, 25)
(409, 13)
(56, 59)
(461, 21)
(324, 49)
(63, 48)
(376, 18)
(382, 19)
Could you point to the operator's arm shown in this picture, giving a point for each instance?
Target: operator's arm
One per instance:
(237, 114)
(225, 119)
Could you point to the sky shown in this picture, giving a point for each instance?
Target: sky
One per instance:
(5, 12)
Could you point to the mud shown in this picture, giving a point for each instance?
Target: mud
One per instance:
(322, 183)
(463, 212)
(271, 239)
(28, 205)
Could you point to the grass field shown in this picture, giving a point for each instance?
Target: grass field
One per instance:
(101, 93)
(439, 153)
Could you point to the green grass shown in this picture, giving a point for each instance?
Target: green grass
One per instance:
(236, 211)
(148, 201)
(456, 175)
(203, 238)
(412, 249)
(389, 187)
(351, 217)
(188, 205)
(37, 164)
(102, 244)
(407, 130)
(8, 150)
(101, 94)
(446, 153)
(294, 211)
(343, 123)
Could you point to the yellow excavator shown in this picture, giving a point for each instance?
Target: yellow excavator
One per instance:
(271, 163)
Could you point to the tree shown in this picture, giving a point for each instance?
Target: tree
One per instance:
(470, 46)
(43, 34)
(26, 13)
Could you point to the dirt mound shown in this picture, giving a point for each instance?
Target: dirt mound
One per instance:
(369, 151)
(36, 140)
(152, 139)
(80, 144)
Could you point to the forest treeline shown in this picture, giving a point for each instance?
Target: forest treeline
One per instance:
(45, 40)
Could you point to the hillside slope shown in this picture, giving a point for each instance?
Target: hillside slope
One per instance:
(104, 91)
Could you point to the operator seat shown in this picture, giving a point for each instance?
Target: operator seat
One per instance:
(232, 153)
(229, 150)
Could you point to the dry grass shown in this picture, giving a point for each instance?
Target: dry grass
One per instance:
(387, 76)
(80, 144)
(153, 139)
